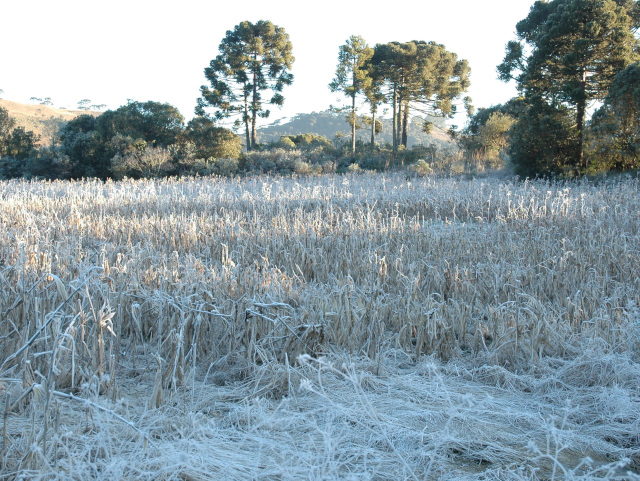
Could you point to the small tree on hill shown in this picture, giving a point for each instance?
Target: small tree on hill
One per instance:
(84, 104)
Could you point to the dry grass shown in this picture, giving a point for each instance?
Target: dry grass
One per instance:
(41, 119)
(449, 329)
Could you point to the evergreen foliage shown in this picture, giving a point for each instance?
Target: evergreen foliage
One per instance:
(615, 127)
(567, 54)
(419, 77)
(353, 76)
(253, 58)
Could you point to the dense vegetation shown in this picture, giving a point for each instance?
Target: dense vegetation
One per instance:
(570, 56)
(393, 325)
(454, 329)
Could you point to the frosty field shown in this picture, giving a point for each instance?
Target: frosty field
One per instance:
(363, 327)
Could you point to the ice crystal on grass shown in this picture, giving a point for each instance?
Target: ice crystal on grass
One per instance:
(338, 327)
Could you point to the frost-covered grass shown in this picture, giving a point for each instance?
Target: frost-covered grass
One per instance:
(340, 327)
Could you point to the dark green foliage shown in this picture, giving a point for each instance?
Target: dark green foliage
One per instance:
(615, 127)
(253, 58)
(6, 126)
(88, 154)
(16, 146)
(158, 124)
(20, 143)
(543, 141)
(419, 78)
(567, 54)
(15, 141)
(91, 143)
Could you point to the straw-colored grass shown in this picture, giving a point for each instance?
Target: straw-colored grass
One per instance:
(340, 327)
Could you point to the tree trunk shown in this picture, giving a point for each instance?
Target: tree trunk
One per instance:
(373, 127)
(580, 118)
(399, 123)
(254, 106)
(246, 123)
(395, 120)
(353, 124)
(405, 125)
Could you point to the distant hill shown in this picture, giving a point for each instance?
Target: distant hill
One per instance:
(330, 124)
(41, 119)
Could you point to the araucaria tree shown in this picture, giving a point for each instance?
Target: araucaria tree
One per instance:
(352, 76)
(419, 77)
(253, 58)
(567, 54)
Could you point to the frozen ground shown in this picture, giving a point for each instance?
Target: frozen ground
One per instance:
(332, 418)
(367, 327)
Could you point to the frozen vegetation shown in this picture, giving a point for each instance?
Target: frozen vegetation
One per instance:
(363, 327)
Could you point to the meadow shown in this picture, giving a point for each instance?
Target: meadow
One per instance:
(362, 326)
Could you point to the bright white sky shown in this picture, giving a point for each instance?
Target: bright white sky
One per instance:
(116, 50)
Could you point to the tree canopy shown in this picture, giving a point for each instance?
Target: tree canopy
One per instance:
(420, 77)
(616, 125)
(568, 52)
(159, 124)
(353, 75)
(253, 58)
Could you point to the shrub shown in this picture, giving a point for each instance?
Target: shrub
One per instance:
(421, 167)
(151, 162)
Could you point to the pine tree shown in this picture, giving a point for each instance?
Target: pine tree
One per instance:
(567, 53)
(420, 77)
(253, 58)
(352, 76)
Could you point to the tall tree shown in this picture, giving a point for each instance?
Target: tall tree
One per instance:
(352, 76)
(421, 77)
(375, 97)
(567, 53)
(253, 58)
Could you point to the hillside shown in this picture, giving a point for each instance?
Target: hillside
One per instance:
(330, 124)
(43, 120)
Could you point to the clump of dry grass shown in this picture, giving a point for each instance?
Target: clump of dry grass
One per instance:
(176, 312)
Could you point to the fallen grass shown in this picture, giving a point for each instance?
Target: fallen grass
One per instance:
(360, 327)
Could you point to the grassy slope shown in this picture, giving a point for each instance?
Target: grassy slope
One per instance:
(41, 119)
(329, 124)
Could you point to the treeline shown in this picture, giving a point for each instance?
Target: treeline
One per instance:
(253, 67)
(140, 139)
(569, 56)
(150, 139)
